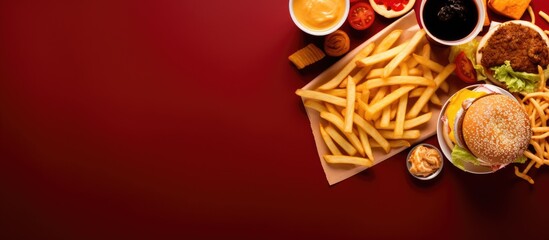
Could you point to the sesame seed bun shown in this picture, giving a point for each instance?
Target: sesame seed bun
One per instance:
(496, 129)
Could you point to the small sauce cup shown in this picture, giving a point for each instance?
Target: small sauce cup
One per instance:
(452, 22)
(432, 174)
(319, 17)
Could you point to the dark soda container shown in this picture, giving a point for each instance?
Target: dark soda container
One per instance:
(452, 22)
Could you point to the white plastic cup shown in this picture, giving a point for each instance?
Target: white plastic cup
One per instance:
(320, 32)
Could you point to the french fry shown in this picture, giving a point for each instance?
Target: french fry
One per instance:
(542, 136)
(418, 36)
(523, 176)
(393, 144)
(390, 98)
(375, 73)
(407, 135)
(360, 75)
(532, 156)
(412, 63)
(338, 123)
(424, 98)
(362, 102)
(333, 110)
(540, 129)
(538, 108)
(340, 140)
(426, 53)
(401, 115)
(372, 131)
(385, 116)
(541, 78)
(435, 99)
(544, 95)
(328, 141)
(415, 72)
(396, 80)
(445, 87)
(409, 123)
(428, 63)
(425, 108)
(388, 41)
(380, 94)
(348, 68)
(311, 94)
(338, 92)
(532, 15)
(350, 108)
(340, 159)
(394, 108)
(416, 92)
(380, 57)
(544, 15)
(363, 136)
(316, 105)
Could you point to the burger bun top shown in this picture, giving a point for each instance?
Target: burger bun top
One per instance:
(496, 129)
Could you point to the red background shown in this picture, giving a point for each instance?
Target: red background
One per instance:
(178, 119)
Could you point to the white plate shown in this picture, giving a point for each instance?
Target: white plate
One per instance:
(468, 167)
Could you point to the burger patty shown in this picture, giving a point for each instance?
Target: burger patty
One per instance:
(520, 45)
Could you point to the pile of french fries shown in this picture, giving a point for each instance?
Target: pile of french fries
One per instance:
(536, 105)
(379, 99)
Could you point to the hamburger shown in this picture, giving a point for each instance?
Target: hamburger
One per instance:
(511, 53)
(485, 127)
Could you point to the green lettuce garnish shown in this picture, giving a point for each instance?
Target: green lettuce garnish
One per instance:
(515, 81)
(460, 156)
(521, 159)
(470, 49)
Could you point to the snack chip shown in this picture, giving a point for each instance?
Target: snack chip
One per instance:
(509, 8)
(306, 56)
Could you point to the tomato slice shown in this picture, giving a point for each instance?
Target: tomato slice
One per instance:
(361, 16)
(354, 1)
(395, 5)
(464, 68)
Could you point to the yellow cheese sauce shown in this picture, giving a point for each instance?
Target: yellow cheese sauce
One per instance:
(319, 14)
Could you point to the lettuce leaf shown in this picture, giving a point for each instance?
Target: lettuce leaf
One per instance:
(470, 50)
(460, 156)
(521, 159)
(515, 81)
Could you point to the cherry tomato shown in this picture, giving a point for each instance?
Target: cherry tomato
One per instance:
(464, 69)
(354, 1)
(361, 16)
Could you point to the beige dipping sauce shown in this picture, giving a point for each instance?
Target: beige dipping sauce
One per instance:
(319, 14)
